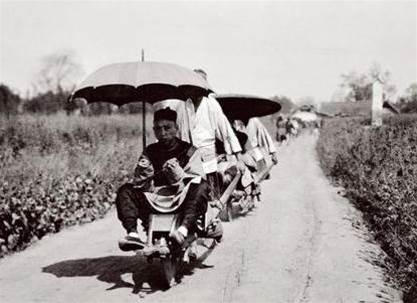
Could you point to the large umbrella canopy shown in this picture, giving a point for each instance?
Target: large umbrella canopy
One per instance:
(122, 83)
(305, 116)
(242, 107)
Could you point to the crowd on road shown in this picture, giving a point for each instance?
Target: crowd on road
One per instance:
(212, 153)
(290, 127)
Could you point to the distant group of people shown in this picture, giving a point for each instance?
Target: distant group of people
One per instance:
(289, 127)
(190, 165)
(286, 128)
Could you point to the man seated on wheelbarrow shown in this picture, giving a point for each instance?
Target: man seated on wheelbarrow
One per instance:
(168, 176)
(252, 135)
(248, 169)
(258, 137)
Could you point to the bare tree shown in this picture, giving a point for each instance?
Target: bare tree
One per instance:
(358, 86)
(384, 76)
(59, 72)
(411, 91)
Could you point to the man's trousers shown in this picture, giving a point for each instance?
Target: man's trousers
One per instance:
(132, 205)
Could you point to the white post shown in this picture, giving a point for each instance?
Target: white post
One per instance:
(377, 103)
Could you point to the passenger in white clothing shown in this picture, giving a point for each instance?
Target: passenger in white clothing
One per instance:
(258, 137)
(200, 122)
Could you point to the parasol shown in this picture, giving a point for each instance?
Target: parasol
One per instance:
(243, 107)
(122, 83)
(126, 82)
(305, 116)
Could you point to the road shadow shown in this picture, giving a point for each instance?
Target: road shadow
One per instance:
(147, 278)
(110, 269)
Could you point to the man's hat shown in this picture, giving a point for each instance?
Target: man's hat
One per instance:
(165, 114)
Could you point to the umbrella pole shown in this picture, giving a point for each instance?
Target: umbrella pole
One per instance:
(143, 124)
(143, 110)
(188, 122)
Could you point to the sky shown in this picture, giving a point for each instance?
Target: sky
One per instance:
(297, 49)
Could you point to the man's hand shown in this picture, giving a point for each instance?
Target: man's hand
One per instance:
(274, 158)
(171, 164)
(240, 164)
(143, 174)
(173, 171)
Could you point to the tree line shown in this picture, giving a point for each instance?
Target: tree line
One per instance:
(59, 72)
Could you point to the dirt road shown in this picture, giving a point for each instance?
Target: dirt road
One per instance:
(298, 245)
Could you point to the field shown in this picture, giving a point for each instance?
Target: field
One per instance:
(378, 169)
(61, 170)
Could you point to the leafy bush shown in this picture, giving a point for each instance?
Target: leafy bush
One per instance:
(59, 171)
(48, 102)
(378, 169)
(410, 107)
(9, 101)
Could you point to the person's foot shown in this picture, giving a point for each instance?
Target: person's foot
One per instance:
(131, 242)
(192, 252)
(179, 234)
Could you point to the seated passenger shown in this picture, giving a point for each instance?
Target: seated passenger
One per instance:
(202, 122)
(258, 138)
(253, 136)
(168, 177)
(229, 171)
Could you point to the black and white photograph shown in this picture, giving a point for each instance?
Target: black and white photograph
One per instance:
(208, 151)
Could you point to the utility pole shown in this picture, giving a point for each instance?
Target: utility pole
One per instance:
(143, 110)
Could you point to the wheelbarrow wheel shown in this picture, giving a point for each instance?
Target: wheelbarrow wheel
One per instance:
(170, 268)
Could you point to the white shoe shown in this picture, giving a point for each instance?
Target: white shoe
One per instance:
(134, 235)
(131, 242)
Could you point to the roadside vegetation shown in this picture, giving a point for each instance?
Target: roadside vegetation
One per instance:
(378, 169)
(59, 170)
